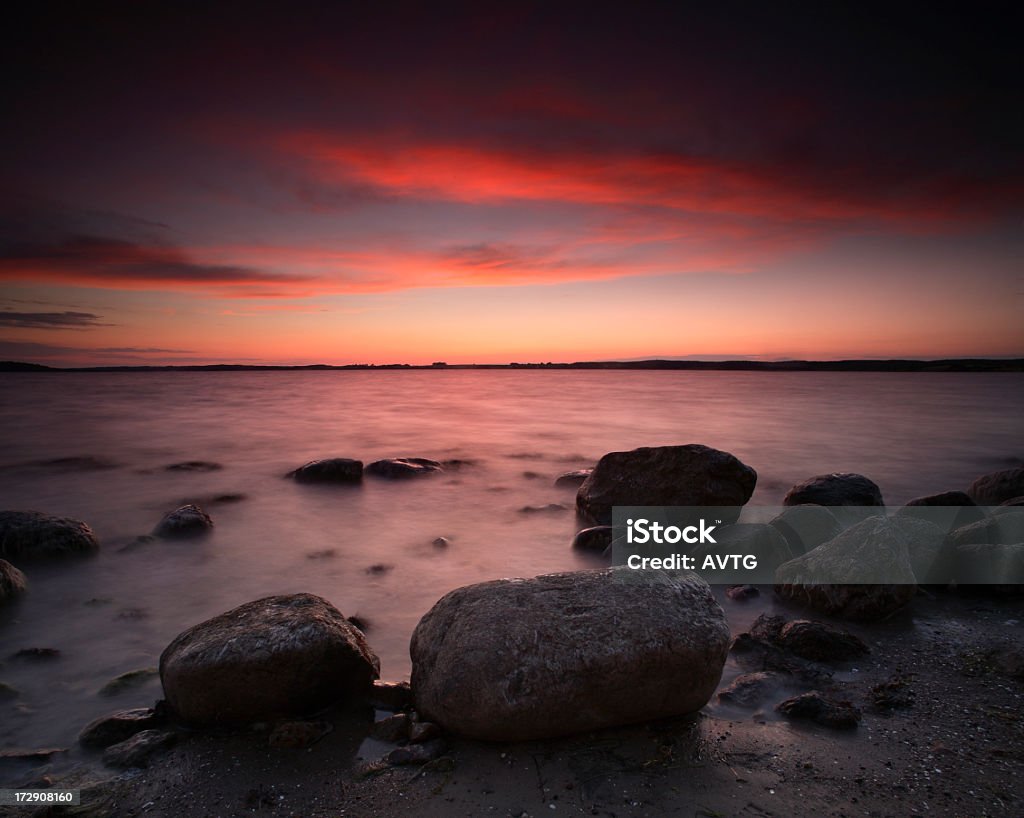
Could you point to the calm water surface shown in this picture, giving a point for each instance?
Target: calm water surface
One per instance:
(912, 433)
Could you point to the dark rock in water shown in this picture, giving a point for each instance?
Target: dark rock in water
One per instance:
(331, 470)
(29, 535)
(37, 654)
(393, 729)
(304, 653)
(454, 464)
(117, 727)
(837, 489)
(440, 542)
(379, 568)
(841, 577)
(741, 593)
(997, 487)
(127, 681)
(195, 465)
(418, 753)
(565, 653)
(139, 749)
(421, 731)
(75, 464)
(297, 735)
(750, 689)
(392, 696)
(34, 754)
(8, 692)
(550, 508)
(820, 642)
(768, 627)
(572, 479)
(1003, 529)
(323, 554)
(184, 522)
(397, 468)
(532, 475)
(597, 539)
(816, 707)
(691, 475)
(806, 526)
(12, 581)
(951, 509)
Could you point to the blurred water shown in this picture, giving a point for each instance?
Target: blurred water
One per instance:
(912, 433)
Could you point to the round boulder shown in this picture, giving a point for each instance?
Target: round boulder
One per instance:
(997, 487)
(187, 521)
(691, 475)
(279, 656)
(837, 489)
(28, 535)
(12, 581)
(558, 654)
(331, 470)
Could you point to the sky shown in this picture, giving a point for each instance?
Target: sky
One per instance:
(411, 182)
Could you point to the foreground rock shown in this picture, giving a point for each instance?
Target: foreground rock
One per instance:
(331, 470)
(398, 468)
(119, 726)
(863, 574)
(139, 749)
(12, 581)
(997, 487)
(182, 523)
(816, 707)
(29, 535)
(691, 475)
(279, 656)
(565, 653)
(836, 489)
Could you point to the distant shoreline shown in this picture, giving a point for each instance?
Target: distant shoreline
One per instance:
(893, 365)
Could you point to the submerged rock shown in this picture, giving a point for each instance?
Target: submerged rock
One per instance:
(750, 689)
(565, 653)
(279, 656)
(550, 508)
(572, 479)
(691, 475)
(598, 539)
(863, 574)
(819, 708)
(330, 470)
(117, 727)
(184, 522)
(29, 535)
(997, 487)
(397, 468)
(836, 489)
(195, 465)
(139, 749)
(820, 642)
(806, 526)
(12, 581)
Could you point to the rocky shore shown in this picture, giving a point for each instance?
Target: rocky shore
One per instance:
(608, 691)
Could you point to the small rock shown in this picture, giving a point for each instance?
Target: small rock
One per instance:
(572, 479)
(12, 581)
(22, 754)
(532, 475)
(398, 468)
(8, 692)
(195, 465)
(126, 681)
(750, 689)
(768, 627)
(741, 593)
(550, 508)
(417, 753)
(26, 535)
(298, 735)
(139, 749)
(440, 542)
(816, 707)
(37, 654)
(421, 731)
(331, 470)
(187, 521)
(377, 569)
(393, 729)
(393, 696)
(117, 727)
(598, 538)
(323, 554)
(892, 694)
(820, 642)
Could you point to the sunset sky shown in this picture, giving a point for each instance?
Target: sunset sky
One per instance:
(381, 182)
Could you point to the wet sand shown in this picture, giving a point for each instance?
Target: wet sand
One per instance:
(956, 750)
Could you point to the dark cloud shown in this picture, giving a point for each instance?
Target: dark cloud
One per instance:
(50, 320)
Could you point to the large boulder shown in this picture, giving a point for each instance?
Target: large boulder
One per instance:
(29, 535)
(865, 573)
(950, 509)
(754, 539)
(279, 656)
(12, 581)
(691, 475)
(565, 653)
(806, 526)
(997, 487)
(330, 470)
(836, 489)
